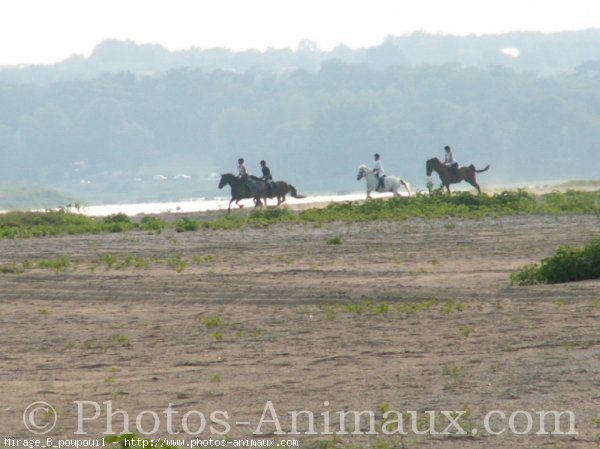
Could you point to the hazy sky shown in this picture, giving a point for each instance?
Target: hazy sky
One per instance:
(45, 31)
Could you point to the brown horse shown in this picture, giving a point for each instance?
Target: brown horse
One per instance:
(280, 189)
(240, 189)
(449, 176)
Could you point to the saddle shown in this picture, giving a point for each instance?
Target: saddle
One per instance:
(251, 185)
(455, 171)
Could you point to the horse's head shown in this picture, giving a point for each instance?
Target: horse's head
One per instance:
(225, 179)
(430, 165)
(362, 172)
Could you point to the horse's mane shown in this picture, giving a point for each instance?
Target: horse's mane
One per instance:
(231, 178)
(365, 167)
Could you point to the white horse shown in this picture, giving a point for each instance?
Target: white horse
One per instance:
(390, 183)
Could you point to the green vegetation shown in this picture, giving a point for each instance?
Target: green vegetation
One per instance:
(39, 224)
(122, 340)
(151, 223)
(213, 322)
(337, 240)
(59, 264)
(462, 205)
(450, 306)
(567, 265)
(381, 308)
(465, 331)
(186, 224)
(109, 261)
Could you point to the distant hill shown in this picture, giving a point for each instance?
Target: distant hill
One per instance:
(15, 196)
(532, 51)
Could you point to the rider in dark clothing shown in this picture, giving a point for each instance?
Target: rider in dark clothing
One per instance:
(266, 177)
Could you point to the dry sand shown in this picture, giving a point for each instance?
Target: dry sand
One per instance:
(277, 297)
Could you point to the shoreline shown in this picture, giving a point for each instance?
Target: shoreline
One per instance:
(220, 204)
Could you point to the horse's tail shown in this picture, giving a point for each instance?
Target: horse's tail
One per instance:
(472, 167)
(295, 193)
(406, 184)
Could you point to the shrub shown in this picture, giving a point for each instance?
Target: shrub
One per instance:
(185, 224)
(567, 265)
(117, 218)
(150, 223)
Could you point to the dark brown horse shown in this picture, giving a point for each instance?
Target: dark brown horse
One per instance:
(280, 189)
(450, 176)
(241, 189)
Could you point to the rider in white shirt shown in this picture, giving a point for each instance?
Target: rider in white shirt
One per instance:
(449, 159)
(378, 170)
(242, 172)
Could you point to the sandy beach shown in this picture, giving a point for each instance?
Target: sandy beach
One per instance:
(416, 315)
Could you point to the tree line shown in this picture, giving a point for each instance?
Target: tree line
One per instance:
(313, 127)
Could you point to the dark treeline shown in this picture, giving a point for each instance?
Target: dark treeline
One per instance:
(104, 136)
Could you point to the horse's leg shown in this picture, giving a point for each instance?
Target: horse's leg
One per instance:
(473, 181)
(229, 207)
(258, 202)
(474, 184)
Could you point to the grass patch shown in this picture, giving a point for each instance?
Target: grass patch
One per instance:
(122, 340)
(59, 264)
(450, 306)
(214, 322)
(367, 307)
(465, 331)
(412, 307)
(337, 240)
(12, 268)
(331, 311)
(150, 223)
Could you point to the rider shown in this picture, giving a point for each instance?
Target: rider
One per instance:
(266, 177)
(449, 159)
(243, 174)
(378, 170)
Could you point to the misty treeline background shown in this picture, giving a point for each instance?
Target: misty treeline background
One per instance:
(138, 122)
